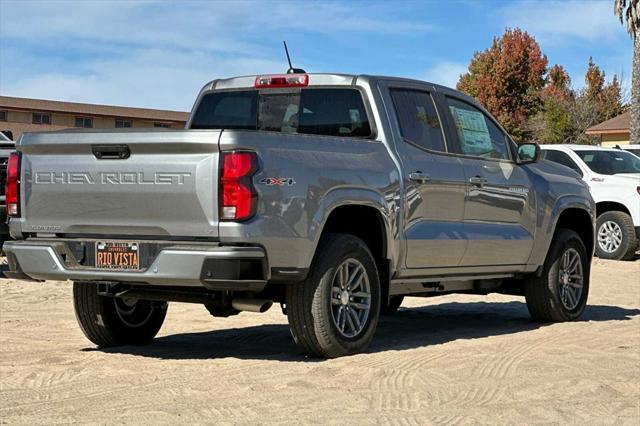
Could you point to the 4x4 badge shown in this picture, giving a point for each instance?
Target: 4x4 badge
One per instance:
(271, 181)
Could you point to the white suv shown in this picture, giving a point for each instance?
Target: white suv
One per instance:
(613, 175)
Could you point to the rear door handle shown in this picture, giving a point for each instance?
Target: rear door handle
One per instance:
(478, 181)
(419, 177)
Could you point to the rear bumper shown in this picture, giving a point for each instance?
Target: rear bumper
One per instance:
(210, 266)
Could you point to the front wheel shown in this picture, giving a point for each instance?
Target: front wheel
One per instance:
(616, 236)
(334, 312)
(113, 321)
(561, 291)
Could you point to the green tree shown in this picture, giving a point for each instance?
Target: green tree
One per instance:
(552, 123)
(629, 11)
(596, 102)
(605, 98)
(506, 78)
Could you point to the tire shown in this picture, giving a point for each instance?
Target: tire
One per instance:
(547, 296)
(615, 237)
(393, 305)
(314, 306)
(109, 321)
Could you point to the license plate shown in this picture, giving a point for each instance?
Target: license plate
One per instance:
(121, 255)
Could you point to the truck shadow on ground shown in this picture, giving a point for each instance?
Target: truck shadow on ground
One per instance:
(407, 329)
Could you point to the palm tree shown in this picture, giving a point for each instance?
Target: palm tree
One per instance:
(629, 10)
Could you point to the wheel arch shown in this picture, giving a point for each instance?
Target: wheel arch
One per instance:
(580, 221)
(608, 206)
(365, 214)
(561, 215)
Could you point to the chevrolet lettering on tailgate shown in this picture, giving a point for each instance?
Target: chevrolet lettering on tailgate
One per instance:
(109, 178)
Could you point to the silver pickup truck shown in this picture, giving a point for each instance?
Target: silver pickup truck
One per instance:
(332, 195)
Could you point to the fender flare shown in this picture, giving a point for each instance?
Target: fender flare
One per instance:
(354, 196)
(563, 203)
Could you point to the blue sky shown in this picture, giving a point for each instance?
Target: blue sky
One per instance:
(159, 53)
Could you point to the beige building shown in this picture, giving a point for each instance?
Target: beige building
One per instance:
(614, 131)
(21, 115)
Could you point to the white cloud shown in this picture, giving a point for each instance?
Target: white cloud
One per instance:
(555, 22)
(158, 53)
(446, 73)
(153, 78)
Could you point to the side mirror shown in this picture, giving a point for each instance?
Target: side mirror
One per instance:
(528, 153)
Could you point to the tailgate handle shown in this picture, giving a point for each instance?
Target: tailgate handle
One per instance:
(111, 152)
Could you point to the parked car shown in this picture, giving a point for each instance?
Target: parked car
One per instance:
(613, 177)
(6, 147)
(634, 149)
(333, 195)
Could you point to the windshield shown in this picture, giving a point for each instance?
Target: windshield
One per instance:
(610, 162)
(331, 112)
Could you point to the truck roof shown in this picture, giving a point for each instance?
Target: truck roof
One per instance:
(320, 79)
(576, 147)
(328, 79)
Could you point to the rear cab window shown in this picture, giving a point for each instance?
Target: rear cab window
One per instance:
(316, 111)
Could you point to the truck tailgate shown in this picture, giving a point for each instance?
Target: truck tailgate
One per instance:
(166, 186)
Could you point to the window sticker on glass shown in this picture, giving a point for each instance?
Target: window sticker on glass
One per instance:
(473, 129)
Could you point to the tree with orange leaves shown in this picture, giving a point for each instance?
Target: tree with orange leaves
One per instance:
(507, 79)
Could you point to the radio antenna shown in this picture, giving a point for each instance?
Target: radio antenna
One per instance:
(291, 69)
(286, 50)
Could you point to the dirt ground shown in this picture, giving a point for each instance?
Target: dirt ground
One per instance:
(453, 359)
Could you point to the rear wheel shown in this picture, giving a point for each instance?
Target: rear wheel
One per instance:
(616, 236)
(393, 305)
(560, 293)
(112, 321)
(334, 312)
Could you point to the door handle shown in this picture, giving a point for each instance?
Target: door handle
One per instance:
(419, 177)
(478, 181)
(111, 152)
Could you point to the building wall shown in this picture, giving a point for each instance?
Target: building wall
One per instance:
(21, 121)
(613, 139)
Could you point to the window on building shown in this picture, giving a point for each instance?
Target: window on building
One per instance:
(123, 124)
(162, 125)
(85, 122)
(418, 119)
(3, 115)
(40, 118)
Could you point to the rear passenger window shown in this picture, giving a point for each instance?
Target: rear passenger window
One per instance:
(418, 119)
(478, 135)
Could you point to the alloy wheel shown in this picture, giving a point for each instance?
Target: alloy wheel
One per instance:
(570, 279)
(133, 312)
(350, 298)
(609, 236)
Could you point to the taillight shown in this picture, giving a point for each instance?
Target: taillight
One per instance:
(282, 80)
(237, 195)
(12, 191)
